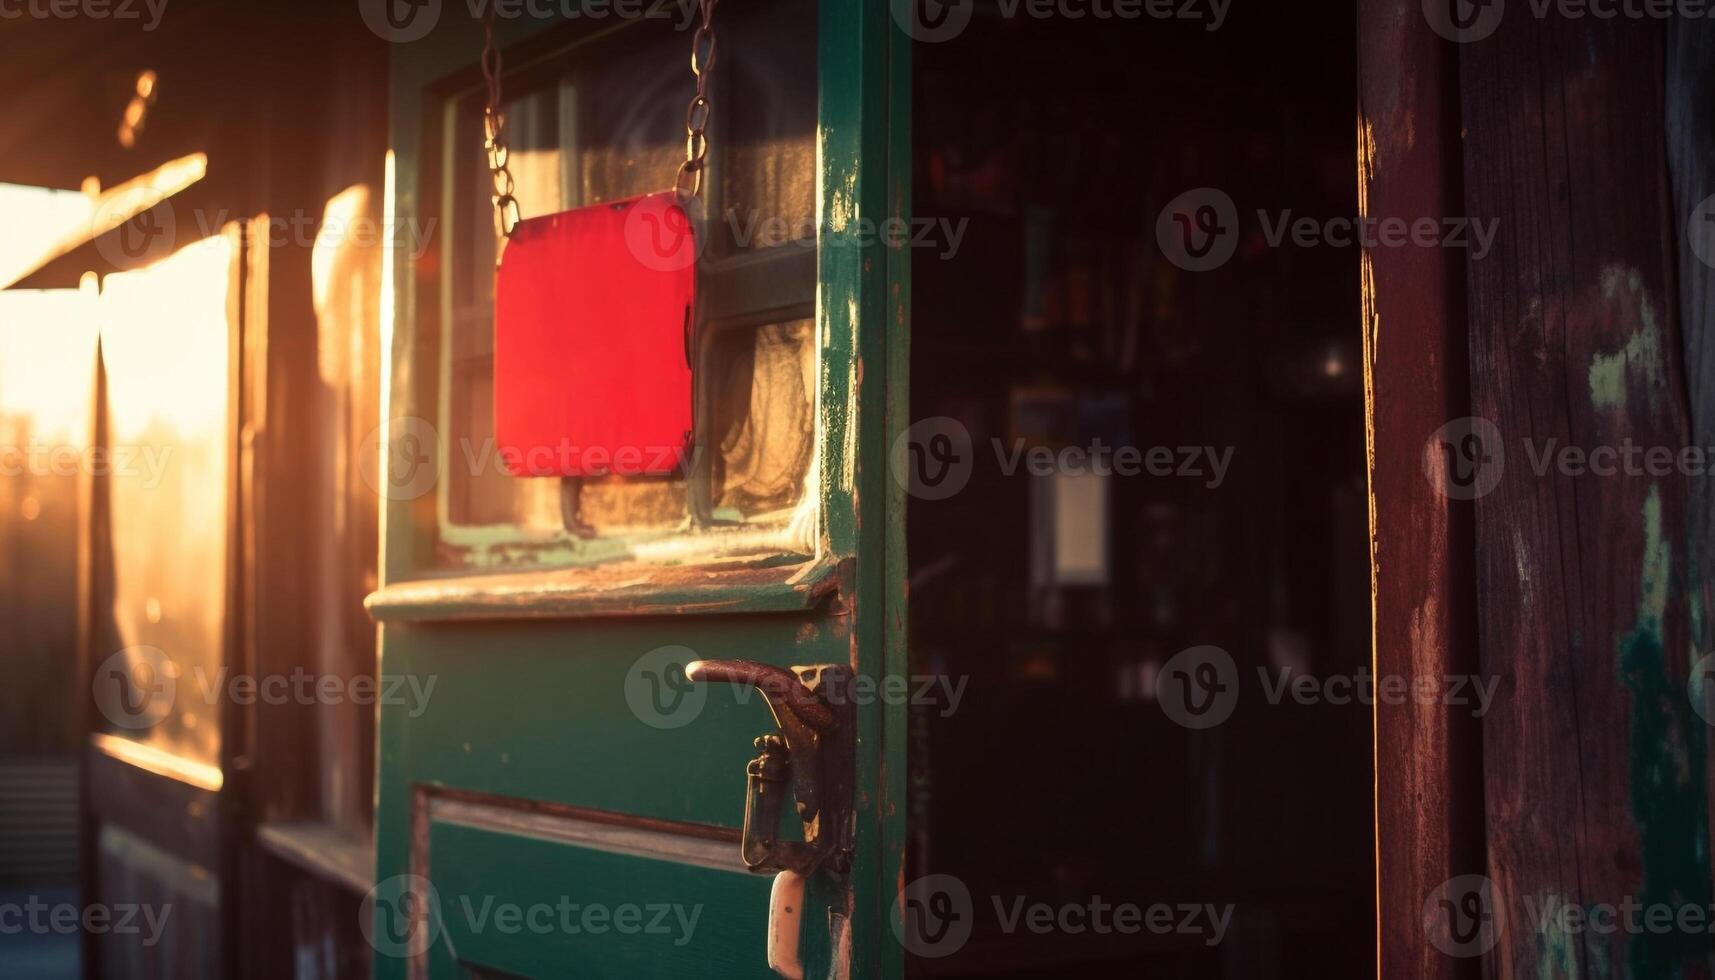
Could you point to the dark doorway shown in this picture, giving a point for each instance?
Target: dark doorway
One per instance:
(1223, 397)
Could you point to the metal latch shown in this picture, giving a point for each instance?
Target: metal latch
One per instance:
(811, 754)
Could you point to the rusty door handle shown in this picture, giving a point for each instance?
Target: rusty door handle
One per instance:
(811, 752)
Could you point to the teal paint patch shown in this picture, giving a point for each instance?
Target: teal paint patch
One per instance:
(1668, 797)
(1555, 958)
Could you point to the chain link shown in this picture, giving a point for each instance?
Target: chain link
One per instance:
(687, 183)
(494, 131)
(689, 180)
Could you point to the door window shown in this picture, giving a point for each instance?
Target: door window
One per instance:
(603, 120)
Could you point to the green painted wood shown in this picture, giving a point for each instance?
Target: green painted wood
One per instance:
(628, 590)
(864, 149)
(522, 703)
(688, 922)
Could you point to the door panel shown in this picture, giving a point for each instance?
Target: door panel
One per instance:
(557, 756)
(544, 710)
(614, 912)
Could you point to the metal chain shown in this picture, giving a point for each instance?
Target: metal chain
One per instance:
(494, 130)
(689, 181)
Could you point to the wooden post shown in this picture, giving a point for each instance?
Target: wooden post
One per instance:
(1593, 758)
(1428, 804)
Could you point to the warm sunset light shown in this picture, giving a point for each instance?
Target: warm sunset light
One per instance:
(873, 489)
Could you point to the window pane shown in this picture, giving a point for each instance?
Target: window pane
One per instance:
(765, 418)
(605, 122)
(165, 345)
(47, 386)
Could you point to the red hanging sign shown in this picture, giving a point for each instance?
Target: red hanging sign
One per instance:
(592, 319)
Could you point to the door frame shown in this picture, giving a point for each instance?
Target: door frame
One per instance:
(863, 160)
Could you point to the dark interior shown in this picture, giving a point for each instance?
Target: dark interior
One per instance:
(1059, 321)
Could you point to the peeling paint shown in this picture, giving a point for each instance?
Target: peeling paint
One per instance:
(1555, 956)
(842, 202)
(1667, 751)
(1521, 563)
(1642, 354)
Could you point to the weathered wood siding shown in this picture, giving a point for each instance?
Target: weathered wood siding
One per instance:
(1594, 761)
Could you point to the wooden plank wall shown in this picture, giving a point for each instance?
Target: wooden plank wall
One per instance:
(1691, 166)
(1587, 325)
(1594, 763)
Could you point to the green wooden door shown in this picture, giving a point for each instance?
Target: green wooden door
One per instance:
(554, 800)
